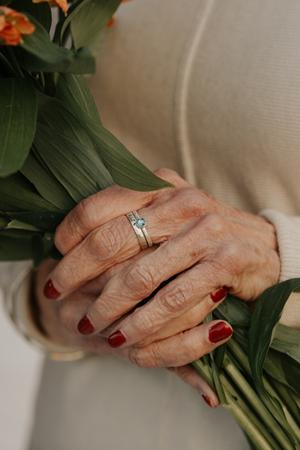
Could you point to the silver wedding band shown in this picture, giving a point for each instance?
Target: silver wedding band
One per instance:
(138, 224)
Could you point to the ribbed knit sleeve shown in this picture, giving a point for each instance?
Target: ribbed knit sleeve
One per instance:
(288, 236)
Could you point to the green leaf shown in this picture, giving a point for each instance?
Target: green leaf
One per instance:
(38, 53)
(18, 225)
(40, 11)
(235, 311)
(76, 166)
(18, 114)
(17, 194)
(287, 340)
(15, 245)
(6, 69)
(73, 92)
(89, 18)
(266, 315)
(3, 222)
(42, 220)
(277, 366)
(123, 167)
(292, 372)
(46, 183)
(69, 153)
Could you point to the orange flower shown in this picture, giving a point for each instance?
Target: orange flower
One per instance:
(13, 25)
(63, 4)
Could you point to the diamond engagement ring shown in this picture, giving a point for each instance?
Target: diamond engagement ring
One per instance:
(138, 224)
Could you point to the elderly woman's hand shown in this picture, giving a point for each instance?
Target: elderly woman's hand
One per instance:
(206, 249)
(57, 318)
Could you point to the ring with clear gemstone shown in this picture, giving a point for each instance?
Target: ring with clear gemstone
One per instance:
(138, 224)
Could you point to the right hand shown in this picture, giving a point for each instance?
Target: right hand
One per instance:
(58, 318)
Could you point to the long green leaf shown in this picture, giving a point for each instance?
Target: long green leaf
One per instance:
(67, 140)
(18, 115)
(38, 53)
(17, 194)
(267, 313)
(15, 248)
(77, 167)
(89, 20)
(277, 366)
(46, 183)
(42, 220)
(287, 340)
(72, 91)
(123, 167)
(235, 311)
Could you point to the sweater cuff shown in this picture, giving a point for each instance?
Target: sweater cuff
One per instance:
(288, 237)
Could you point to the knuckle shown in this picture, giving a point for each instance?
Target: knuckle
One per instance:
(140, 279)
(188, 202)
(81, 218)
(75, 225)
(60, 237)
(136, 358)
(174, 298)
(102, 312)
(144, 322)
(146, 358)
(105, 242)
(214, 223)
(231, 256)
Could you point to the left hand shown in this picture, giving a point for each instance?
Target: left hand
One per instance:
(207, 245)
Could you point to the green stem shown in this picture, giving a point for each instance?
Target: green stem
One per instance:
(257, 404)
(285, 395)
(247, 420)
(241, 357)
(245, 417)
(204, 371)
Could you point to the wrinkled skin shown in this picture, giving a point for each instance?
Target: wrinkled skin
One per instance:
(201, 245)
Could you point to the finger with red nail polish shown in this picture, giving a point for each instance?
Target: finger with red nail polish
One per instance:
(219, 332)
(116, 339)
(50, 291)
(183, 348)
(85, 326)
(220, 294)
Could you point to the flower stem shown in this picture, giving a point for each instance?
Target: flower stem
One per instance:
(257, 434)
(242, 358)
(257, 404)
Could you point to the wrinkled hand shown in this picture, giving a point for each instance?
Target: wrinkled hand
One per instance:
(56, 317)
(206, 249)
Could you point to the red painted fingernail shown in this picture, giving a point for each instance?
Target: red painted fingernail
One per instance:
(116, 339)
(207, 400)
(85, 326)
(219, 332)
(219, 295)
(50, 291)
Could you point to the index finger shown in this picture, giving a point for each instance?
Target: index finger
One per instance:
(95, 211)
(104, 206)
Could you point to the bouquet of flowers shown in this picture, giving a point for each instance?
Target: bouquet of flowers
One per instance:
(55, 151)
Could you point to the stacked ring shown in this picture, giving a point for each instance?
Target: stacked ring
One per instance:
(138, 224)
